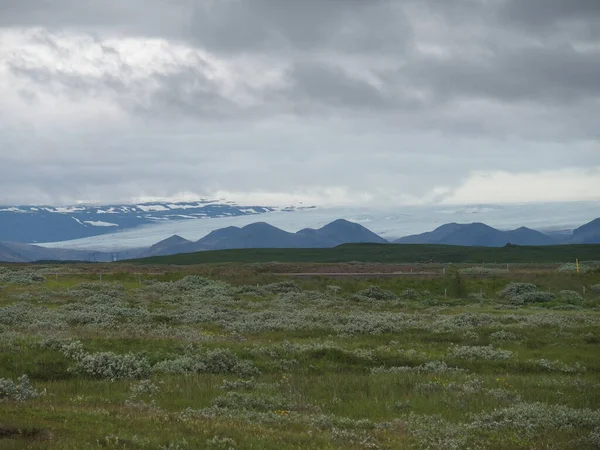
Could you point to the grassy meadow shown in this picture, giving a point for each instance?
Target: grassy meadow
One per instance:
(389, 253)
(238, 356)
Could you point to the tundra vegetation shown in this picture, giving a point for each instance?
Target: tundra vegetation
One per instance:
(233, 357)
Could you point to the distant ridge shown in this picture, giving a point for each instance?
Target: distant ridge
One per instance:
(477, 235)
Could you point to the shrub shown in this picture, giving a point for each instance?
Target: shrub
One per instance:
(214, 361)
(536, 297)
(19, 391)
(112, 366)
(528, 417)
(595, 288)
(144, 387)
(334, 290)
(428, 367)
(513, 291)
(572, 267)
(410, 294)
(487, 353)
(376, 293)
(556, 366)
(282, 287)
(503, 336)
(483, 271)
(525, 293)
(571, 297)
(25, 277)
(457, 285)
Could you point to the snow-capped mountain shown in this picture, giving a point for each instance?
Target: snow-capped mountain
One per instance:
(38, 223)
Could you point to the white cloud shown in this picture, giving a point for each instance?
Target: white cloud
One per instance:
(570, 184)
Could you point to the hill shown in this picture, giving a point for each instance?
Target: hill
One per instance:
(389, 253)
(477, 235)
(588, 233)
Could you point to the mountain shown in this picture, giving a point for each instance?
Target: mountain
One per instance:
(36, 224)
(588, 233)
(263, 235)
(170, 246)
(477, 235)
(341, 232)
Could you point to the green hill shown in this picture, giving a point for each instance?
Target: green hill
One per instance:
(389, 253)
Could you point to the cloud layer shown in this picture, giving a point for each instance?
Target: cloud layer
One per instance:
(321, 101)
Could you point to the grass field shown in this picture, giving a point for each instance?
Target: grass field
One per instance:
(390, 253)
(238, 356)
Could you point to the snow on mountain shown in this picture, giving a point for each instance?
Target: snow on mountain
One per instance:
(42, 223)
(99, 223)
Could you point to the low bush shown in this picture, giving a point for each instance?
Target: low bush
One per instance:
(19, 391)
(377, 293)
(487, 353)
(525, 293)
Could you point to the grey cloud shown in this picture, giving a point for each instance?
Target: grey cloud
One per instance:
(526, 74)
(373, 95)
(329, 86)
(345, 25)
(550, 12)
(229, 25)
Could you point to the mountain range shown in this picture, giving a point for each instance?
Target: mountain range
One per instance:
(263, 235)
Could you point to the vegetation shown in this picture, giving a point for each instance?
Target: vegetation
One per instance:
(390, 253)
(246, 359)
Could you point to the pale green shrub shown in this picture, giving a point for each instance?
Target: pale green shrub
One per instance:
(482, 271)
(377, 293)
(112, 366)
(214, 361)
(20, 391)
(531, 417)
(503, 336)
(487, 353)
(513, 291)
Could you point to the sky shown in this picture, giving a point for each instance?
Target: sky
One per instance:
(321, 102)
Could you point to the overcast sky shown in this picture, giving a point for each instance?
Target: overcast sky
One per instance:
(330, 102)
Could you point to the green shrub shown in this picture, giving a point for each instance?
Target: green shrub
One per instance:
(570, 297)
(536, 297)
